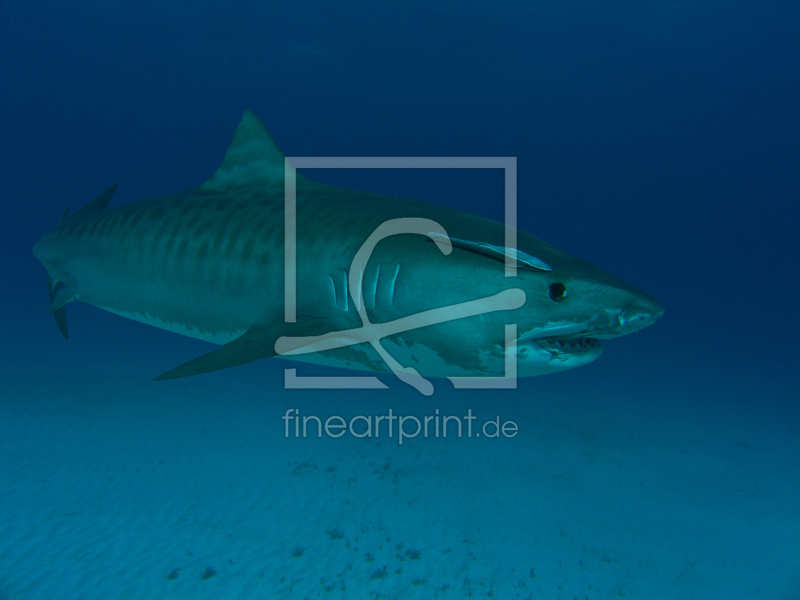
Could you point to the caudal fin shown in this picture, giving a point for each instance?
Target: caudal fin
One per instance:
(59, 296)
(57, 306)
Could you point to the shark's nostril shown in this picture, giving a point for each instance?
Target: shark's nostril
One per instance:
(652, 307)
(640, 313)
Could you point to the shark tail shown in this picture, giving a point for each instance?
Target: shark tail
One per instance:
(59, 312)
(59, 296)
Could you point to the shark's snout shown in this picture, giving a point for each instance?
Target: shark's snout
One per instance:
(640, 313)
(594, 309)
(637, 312)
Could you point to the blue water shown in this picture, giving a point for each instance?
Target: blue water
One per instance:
(659, 141)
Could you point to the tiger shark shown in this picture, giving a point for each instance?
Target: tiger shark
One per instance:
(381, 283)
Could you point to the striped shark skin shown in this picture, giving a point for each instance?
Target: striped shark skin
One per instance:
(210, 263)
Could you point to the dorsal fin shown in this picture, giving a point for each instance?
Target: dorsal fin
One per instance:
(98, 203)
(253, 158)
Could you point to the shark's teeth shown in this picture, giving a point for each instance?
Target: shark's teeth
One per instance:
(568, 346)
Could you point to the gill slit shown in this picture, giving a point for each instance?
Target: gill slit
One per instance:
(392, 284)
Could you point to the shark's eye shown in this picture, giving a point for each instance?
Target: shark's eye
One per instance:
(557, 291)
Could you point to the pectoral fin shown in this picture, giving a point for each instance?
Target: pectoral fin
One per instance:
(255, 344)
(250, 346)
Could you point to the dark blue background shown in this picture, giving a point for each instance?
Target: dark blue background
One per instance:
(660, 141)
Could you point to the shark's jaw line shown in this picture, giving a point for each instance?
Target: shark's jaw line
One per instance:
(578, 345)
(557, 330)
(557, 351)
(209, 263)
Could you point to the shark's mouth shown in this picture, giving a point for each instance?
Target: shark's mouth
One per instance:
(551, 354)
(562, 341)
(575, 345)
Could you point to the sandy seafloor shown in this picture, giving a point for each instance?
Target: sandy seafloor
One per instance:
(110, 484)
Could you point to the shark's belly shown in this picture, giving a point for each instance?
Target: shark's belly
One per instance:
(428, 362)
(211, 334)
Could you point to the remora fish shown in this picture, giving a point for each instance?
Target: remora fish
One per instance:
(209, 263)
